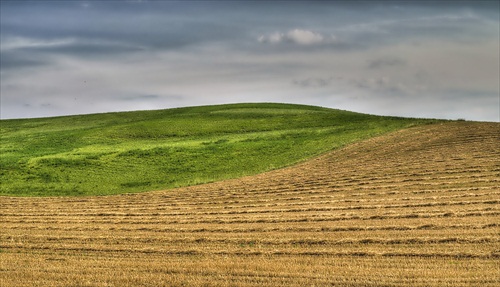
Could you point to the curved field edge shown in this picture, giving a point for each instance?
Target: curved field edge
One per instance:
(416, 207)
(116, 153)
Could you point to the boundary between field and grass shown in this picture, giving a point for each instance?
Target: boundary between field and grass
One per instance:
(115, 153)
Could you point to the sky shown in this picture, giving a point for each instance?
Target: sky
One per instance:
(432, 59)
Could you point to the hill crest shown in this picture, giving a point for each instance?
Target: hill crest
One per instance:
(112, 153)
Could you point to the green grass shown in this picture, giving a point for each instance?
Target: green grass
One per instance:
(115, 153)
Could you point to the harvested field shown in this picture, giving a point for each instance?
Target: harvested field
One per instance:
(418, 207)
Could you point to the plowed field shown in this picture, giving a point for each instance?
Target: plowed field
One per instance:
(418, 207)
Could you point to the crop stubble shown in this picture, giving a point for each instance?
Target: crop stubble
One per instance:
(418, 207)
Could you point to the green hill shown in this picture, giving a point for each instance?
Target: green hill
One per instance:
(114, 153)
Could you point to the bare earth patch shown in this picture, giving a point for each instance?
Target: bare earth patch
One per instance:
(418, 207)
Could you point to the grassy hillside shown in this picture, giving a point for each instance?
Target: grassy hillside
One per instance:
(114, 153)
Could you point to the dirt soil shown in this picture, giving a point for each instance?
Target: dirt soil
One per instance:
(418, 207)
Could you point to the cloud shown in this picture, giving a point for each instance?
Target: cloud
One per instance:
(304, 37)
(141, 98)
(403, 85)
(113, 25)
(464, 25)
(380, 85)
(313, 82)
(69, 46)
(85, 5)
(386, 62)
(274, 38)
(11, 60)
(297, 36)
(375, 58)
(14, 43)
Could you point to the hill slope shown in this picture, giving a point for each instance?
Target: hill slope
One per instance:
(417, 207)
(147, 150)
